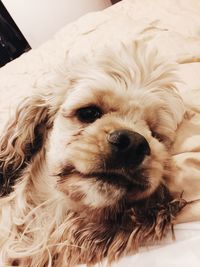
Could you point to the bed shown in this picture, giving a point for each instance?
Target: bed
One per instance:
(173, 27)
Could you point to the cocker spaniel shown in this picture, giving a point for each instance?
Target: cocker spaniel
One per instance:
(84, 165)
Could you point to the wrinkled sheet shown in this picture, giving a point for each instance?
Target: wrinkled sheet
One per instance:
(171, 26)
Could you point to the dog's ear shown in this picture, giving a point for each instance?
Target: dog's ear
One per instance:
(24, 137)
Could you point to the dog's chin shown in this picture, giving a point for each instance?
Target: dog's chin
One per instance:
(131, 182)
(135, 186)
(105, 189)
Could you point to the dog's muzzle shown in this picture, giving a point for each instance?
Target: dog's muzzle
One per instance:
(127, 147)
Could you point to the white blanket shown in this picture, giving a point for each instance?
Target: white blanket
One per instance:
(173, 26)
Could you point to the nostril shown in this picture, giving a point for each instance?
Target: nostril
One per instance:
(123, 141)
(120, 140)
(143, 148)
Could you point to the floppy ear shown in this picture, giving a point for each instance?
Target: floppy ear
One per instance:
(24, 137)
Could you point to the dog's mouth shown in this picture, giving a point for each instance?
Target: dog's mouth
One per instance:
(124, 178)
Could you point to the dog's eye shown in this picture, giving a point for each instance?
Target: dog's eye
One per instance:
(89, 114)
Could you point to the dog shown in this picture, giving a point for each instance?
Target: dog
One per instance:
(85, 163)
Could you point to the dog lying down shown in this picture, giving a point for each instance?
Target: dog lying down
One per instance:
(85, 166)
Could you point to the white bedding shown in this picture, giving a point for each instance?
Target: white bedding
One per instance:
(171, 26)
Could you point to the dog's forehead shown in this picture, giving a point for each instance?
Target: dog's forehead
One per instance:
(109, 98)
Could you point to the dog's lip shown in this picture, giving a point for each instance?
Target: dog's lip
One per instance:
(122, 178)
(118, 178)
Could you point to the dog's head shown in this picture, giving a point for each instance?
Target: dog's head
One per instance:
(104, 132)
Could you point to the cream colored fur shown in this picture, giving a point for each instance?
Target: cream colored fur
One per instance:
(38, 220)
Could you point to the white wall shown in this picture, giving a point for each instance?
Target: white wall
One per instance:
(38, 20)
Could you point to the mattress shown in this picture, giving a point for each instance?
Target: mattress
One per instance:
(173, 27)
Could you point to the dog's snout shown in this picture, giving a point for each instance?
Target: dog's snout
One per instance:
(129, 144)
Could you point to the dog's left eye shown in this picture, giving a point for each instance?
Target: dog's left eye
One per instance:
(89, 114)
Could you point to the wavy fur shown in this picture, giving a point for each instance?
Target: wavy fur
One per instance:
(58, 220)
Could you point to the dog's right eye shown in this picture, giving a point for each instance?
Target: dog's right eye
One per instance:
(89, 114)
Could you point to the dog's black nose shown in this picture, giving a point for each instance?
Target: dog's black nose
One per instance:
(129, 144)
